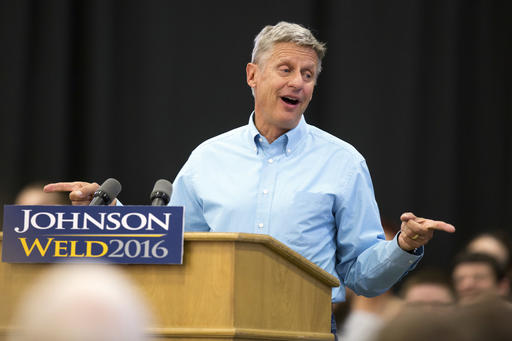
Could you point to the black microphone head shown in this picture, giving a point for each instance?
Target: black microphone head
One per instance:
(107, 192)
(162, 190)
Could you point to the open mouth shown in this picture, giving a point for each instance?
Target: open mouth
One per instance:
(289, 100)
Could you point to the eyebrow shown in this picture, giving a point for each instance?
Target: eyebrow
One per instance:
(308, 67)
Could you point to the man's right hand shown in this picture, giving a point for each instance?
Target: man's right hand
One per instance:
(80, 192)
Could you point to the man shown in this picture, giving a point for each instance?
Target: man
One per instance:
(497, 244)
(429, 289)
(282, 177)
(478, 276)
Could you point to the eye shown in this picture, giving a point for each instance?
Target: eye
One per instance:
(308, 76)
(284, 69)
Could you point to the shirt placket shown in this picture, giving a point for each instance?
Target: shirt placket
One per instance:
(266, 189)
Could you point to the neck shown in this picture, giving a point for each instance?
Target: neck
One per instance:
(271, 132)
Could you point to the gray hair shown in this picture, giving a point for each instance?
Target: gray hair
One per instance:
(285, 32)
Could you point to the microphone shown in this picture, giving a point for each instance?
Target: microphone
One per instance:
(107, 192)
(161, 193)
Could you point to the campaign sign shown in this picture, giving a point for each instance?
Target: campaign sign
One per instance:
(113, 234)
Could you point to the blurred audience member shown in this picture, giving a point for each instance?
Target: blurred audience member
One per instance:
(368, 314)
(496, 243)
(429, 289)
(486, 320)
(422, 325)
(477, 276)
(79, 302)
(32, 194)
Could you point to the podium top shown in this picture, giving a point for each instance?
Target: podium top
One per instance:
(269, 242)
(272, 244)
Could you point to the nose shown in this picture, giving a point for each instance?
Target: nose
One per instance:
(467, 283)
(296, 81)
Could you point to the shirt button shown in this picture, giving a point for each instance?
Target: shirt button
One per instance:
(410, 262)
(265, 191)
(289, 150)
(260, 225)
(261, 139)
(270, 160)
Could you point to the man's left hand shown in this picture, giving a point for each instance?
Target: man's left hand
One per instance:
(416, 231)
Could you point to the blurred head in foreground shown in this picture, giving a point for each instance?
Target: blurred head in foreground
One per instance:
(495, 243)
(429, 289)
(486, 320)
(32, 194)
(79, 302)
(477, 276)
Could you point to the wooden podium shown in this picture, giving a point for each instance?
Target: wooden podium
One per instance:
(231, 286)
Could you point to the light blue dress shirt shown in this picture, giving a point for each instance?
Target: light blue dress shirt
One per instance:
(308, 189)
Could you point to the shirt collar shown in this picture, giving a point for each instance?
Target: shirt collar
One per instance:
(293, 136)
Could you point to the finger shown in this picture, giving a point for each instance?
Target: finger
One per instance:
(419, 224)
(407, 216)
(408, 243)
(440, 226)
(84, 193)
(78, 196)
(412, 227)
(65, 186)
(59, 187)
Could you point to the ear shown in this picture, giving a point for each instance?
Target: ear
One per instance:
(251, 70)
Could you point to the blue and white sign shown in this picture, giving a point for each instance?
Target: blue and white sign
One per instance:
(114, 234)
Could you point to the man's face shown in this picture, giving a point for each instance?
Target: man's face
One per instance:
(283, 83)
(473, 281)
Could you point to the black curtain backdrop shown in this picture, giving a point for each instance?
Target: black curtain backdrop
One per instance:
(126, 89)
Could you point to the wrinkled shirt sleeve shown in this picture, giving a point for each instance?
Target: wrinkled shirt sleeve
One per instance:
(365, 261)
(185, 194)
